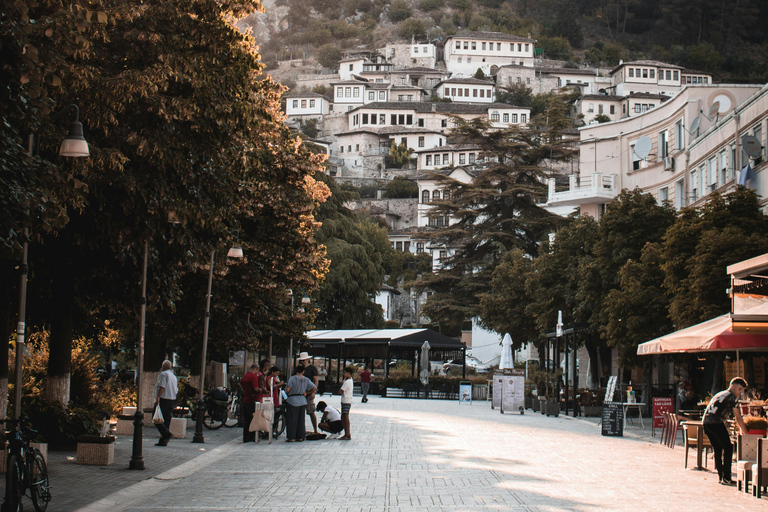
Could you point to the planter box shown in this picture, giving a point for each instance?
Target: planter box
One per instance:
(95, 450)
(178, 428)
(552, 408)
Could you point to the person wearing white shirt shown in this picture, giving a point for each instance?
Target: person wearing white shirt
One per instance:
(346, 401)
(165, 392)
(331, 420)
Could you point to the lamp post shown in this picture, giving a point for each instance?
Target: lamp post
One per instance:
(137, 461)
(234, 252)
(73, 146)
(305, 300)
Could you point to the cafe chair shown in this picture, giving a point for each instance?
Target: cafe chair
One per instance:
(746, 456)
(760, 468)
(690, 435)
(675, 425)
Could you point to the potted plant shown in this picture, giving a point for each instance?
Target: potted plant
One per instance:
(756, 425)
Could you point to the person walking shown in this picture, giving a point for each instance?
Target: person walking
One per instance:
(298, 388)
(250, 385)
(310, 372)
(346, 401)
(365, 383)
(722, 406)
(165, 392)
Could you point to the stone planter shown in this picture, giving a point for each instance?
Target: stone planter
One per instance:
(552, 408)
(95, 450)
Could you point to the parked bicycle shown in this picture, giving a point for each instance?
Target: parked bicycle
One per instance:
(218, 403)
(25, 470)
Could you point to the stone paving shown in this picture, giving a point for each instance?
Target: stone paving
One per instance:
(405, 455)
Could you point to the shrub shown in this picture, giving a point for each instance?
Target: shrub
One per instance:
(398, 11)
(401, 188)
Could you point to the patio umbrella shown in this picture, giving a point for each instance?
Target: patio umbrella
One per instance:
(424, 373)
(506, 353)
(710, 336)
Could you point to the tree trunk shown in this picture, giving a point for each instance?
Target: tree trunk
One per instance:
(647, 385)
(60, 341)
(594, 367)
(7, 311)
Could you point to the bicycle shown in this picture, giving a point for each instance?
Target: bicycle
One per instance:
(234, 418)
(25, 469)
(278, 424)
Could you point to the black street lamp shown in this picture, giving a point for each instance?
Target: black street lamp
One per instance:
(234, 252)
(73, 146)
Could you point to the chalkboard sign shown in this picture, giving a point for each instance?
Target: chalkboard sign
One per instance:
(613, 419)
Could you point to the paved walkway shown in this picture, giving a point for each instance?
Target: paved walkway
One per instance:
(406, 455)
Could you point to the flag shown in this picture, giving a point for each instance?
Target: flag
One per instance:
(746, 174)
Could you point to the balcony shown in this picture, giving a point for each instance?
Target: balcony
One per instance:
(595, 188)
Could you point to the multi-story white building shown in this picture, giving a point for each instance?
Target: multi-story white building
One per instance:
(467, 90)
(307, 105)
(654, 77)
(683, 145)
(467, 52)
(410, 55)
(617, 107)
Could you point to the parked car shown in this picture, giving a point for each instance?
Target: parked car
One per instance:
(473, 363)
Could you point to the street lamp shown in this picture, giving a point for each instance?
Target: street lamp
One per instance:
(305, 300)
(73, 146)
(234, 252)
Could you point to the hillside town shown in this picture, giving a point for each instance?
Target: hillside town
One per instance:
(668, 131)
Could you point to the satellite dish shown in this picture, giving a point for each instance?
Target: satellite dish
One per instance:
(725, 103)
(752, 146)
(643, 146)
(714, 109)
(695, 124)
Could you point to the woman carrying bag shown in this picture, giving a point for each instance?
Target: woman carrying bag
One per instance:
(298, 388)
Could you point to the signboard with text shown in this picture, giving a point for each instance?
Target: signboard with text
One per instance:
(661, 404)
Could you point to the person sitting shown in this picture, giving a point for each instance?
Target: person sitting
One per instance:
(331, 420)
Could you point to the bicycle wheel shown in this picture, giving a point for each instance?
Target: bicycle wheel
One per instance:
(13, 485)
(278, 427)
(215, 419)
(233, 414)
(39, 486)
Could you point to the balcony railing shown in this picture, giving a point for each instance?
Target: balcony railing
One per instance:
(592, 188)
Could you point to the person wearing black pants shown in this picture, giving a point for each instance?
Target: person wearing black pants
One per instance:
(722, 406)
(298, 387)
(165, 393)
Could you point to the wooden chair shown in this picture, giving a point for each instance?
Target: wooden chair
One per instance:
(691, 441)
(664, 428)
(675, 426)
(746, 456)
(760, 468)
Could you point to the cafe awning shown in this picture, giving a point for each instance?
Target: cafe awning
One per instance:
(713, 335)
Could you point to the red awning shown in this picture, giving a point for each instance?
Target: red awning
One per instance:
(713, 335)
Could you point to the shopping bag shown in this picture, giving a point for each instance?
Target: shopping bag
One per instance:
(259, 422)
(158, 417)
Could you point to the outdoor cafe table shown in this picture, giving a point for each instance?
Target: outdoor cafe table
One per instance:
(627, 405)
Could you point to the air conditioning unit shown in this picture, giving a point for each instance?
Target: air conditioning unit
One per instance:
(669, 163)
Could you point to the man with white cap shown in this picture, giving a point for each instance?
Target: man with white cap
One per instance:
(314, 376)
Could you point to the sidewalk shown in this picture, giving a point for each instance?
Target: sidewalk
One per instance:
(406, 455)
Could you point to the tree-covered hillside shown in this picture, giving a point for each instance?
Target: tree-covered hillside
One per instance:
(719, 36)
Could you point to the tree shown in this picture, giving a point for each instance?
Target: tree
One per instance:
(411, 28)
(329, 56)
(602, 118)
(355, 248)
(479, 74)
(399, 155)
(401, 188)
(176, 125)
(698, 247)
(517, 95)
(631, 221)
(398, 11)
(567, 23)
(496, 212)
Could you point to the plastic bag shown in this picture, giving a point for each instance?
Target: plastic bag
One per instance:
(158, 417)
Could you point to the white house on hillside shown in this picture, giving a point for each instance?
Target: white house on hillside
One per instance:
(307, 105)
(468, 51)
(467, 90)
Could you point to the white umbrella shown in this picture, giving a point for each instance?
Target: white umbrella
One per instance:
(506, 353)
(424, 373)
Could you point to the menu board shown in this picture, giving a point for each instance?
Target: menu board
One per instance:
(660, 406)
(509, 390)
(612, 421)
